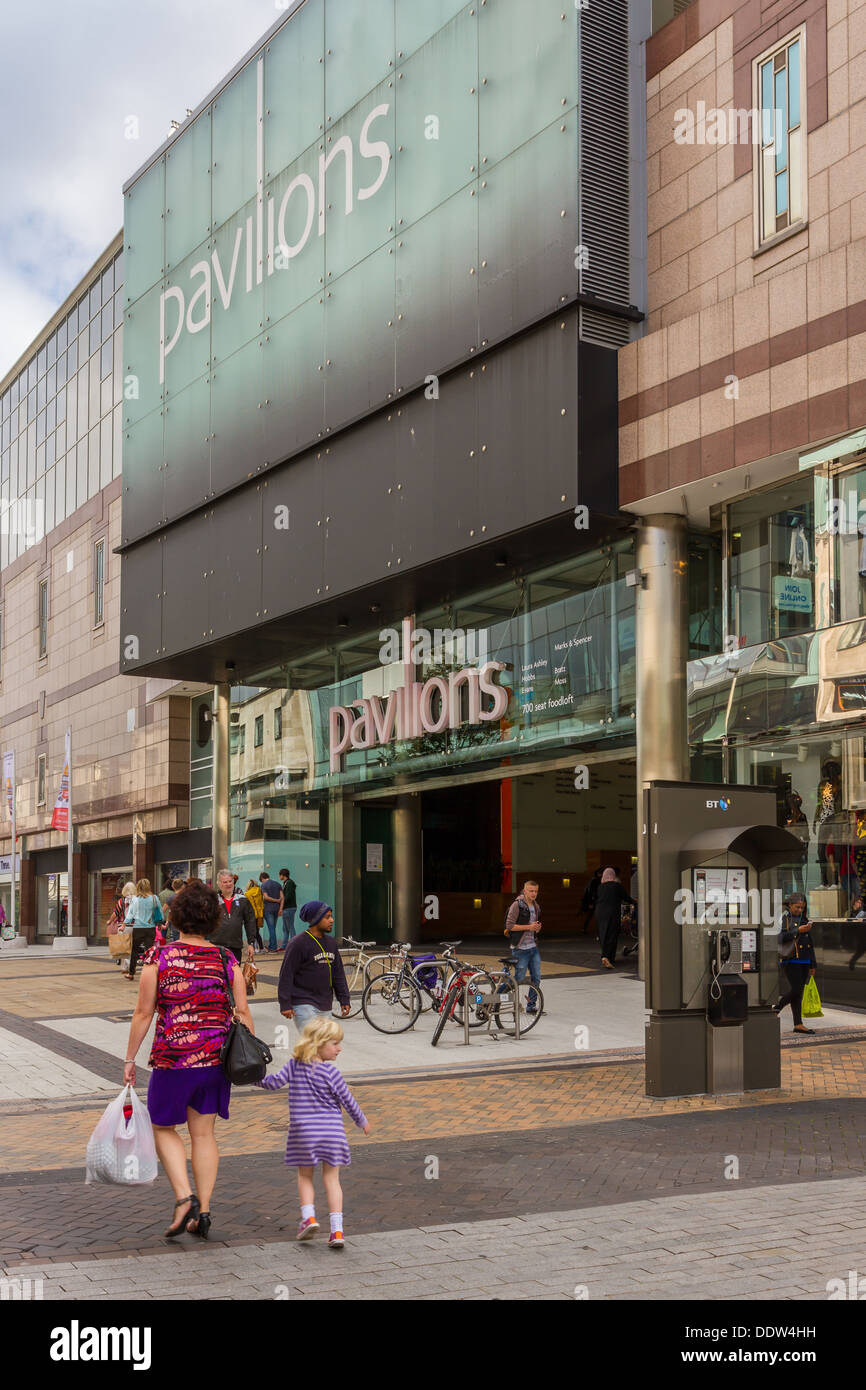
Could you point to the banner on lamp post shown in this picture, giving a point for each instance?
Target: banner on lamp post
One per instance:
(60, 814)
(9, 780)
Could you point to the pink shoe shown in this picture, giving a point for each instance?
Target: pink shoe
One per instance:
(335, 1240)
(308, 1228)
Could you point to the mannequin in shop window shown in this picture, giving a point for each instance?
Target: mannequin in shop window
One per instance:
(829, 795)
(799, 558)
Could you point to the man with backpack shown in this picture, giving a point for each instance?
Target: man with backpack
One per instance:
(522, 925)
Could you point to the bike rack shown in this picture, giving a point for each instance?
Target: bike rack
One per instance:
(506, 982)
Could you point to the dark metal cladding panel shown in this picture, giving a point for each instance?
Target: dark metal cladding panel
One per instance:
(598, 423)
(238, 418)
(141, 604)
(456, 509)
(359, 480)
(360, 339)
(530, 442)
(187, 480)
(292, 568)
(439, 324)
(294, 381)
(143, 476)
(413, 430)
(236, 550)
(187, 558)
(528, 234)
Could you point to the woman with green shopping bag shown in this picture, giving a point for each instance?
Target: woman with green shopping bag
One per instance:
(796, 957)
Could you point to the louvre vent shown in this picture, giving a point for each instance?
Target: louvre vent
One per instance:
(604, 168)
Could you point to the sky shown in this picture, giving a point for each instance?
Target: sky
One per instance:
(71, 74)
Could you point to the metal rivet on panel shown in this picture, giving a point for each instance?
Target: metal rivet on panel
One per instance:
(562, 498)
(472, 533)
(563, 412)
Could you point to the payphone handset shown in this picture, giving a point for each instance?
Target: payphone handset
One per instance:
(720, 910)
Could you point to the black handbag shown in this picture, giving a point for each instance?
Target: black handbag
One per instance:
(244, 1057)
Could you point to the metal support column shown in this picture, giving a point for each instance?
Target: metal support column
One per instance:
(662, 656)
(407, 867)
(220, 819)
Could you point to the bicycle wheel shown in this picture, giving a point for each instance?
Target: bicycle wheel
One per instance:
(391, 1003)
(481, 1004)
(432, 991)
(444, 1013)
(356, 980)
(529, 1016)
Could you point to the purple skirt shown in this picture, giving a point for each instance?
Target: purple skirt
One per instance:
(171, 1089)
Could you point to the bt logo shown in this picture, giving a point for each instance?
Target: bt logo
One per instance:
(722, 805)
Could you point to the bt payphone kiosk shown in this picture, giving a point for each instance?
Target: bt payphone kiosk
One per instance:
(715, 862)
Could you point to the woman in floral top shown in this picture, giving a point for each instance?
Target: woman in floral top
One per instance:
(187, 984)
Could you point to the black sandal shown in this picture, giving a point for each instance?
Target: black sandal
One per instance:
(202, 1224)
(180, 1226)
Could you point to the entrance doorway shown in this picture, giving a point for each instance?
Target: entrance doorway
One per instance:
(377, 873)
(481, 840)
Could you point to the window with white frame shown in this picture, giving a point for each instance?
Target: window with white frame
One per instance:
(43, 617)
(40, 779)
(98, 582)
(780, 89)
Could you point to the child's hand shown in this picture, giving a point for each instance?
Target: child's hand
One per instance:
(366, 1129)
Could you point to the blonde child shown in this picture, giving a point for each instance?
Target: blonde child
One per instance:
(316, 1134)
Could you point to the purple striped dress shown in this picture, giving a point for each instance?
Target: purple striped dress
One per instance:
(317, 1092)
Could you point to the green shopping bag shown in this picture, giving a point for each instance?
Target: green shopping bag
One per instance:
(812, 1000)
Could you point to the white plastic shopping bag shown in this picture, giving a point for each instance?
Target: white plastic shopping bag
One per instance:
(121, 1148)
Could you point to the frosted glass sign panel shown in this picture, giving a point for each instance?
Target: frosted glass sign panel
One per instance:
(383, 173)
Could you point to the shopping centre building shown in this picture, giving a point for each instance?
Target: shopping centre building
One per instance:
(493, 443)
(375, 287)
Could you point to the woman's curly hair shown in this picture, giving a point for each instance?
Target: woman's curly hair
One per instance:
(195, 910)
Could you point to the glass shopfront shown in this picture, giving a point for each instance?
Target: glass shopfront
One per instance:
(51, 904)
(783, 705)
(563, 643)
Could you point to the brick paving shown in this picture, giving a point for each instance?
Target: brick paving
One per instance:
(552, 1159)
(714, 1246)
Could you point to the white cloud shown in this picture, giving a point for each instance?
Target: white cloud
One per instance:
(71, 75)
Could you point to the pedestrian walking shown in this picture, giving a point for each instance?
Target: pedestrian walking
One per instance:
(317, 1096)
(143, 915)
(237, 918)
(192, 985)
(608, 915)
(312, 972)
(254, 893)
(524, 916)
(796, 957)
(166, 893)
(288, 904)
(272, 895)
(589, 899)
(171, 932)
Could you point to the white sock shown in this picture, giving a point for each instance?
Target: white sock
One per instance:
(336, 1221)
(307, 1211)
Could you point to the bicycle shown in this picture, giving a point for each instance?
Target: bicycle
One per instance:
(363, 968)
(391, 1003)
(531, 1008)
(433, 974)
(486, 988)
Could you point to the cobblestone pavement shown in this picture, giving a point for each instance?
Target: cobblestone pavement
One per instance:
(507, 1181)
